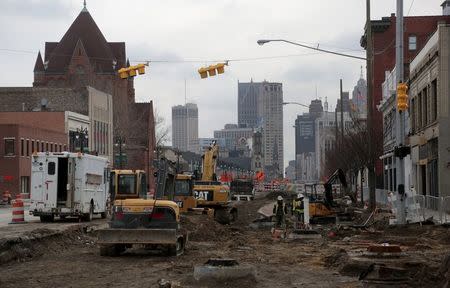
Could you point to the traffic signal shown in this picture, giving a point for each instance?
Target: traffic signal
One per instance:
(402, 97)
(212, 70)
(132, 71)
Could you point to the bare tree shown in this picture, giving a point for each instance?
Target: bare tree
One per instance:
(161, 130)
(352, 154)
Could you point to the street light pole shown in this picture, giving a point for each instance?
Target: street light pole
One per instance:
(120, 143)
(400, 117)
(262, 42)
(295, 103)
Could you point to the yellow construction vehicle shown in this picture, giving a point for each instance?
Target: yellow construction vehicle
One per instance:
(323, 209)
(126, 184)
(137, 220)
(210, 193)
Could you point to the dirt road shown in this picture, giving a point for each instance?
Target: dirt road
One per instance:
(72, 260)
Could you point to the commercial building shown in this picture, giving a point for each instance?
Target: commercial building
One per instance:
(233, 135)
(93, 108)
(359, 98)
(305, 148)
(429, 114)
(417, 31)
(84, 63)
(24, 133)
(185, 127)
(260, 105)
(249, 104)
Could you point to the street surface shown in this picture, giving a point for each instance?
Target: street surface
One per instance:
(71, 257)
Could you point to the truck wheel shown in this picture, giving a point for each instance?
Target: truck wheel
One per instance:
(103, 215)
(47, 218)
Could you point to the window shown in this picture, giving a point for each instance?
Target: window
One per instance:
(38, 146)
(28, 147)
(32, 146)
(42, 147)
(46, 146)
(24, 184)
(9, 146)
(412, 42)
(434, 100)
(22, 147)
(51, 168)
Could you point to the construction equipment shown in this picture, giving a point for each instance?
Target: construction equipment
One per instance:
(323, 209)
(126, 184)
(137, 220)
(210, 193)
(242, 189)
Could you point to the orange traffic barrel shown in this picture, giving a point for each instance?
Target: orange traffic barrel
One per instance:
(18, 211)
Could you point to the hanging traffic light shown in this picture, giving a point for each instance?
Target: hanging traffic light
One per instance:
(132, 71)
(402, 97)
(212, 70)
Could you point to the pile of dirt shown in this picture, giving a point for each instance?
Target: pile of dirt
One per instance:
(202, 228)
(336, 259)
(41, 241)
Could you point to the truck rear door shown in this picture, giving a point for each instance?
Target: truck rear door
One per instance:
(37, 181)
(51, 181)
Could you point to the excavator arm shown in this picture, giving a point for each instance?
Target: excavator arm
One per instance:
(209, 161)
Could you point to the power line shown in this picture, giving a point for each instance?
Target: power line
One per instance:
(174, 61)
(409, 10)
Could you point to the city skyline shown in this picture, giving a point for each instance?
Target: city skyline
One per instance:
(164, 82)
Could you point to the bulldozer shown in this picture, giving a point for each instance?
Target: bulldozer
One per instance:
(135, 220)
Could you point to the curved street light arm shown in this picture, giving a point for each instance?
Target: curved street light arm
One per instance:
(296, 103)
(262, 42)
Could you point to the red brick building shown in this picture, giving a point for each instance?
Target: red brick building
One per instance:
(84, 58)
(417, 30)
(22, 133)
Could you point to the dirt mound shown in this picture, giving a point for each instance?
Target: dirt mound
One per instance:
(39, 242)
(202, 228)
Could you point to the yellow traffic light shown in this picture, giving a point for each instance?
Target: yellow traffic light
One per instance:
(212, 70)
(132, 71)
(220, 68)
(402, 97)
(140, 68)
(203, 72)
(123, 73)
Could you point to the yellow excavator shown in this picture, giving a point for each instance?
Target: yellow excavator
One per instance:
(324, 210)
(203, 193)
(136, 220)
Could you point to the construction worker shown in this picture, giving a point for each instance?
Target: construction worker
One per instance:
(298, 208)
(280, 211)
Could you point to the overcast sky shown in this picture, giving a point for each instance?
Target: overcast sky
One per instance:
(208, 30)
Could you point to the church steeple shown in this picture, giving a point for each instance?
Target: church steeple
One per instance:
(39, 65)
(84, 7)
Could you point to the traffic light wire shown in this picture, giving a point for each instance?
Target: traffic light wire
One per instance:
(174, 61)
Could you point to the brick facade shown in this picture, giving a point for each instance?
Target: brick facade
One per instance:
(383, 39)
(30, 131)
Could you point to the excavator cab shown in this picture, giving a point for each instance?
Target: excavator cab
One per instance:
(184, 193)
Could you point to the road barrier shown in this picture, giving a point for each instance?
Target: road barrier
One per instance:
(18, 211)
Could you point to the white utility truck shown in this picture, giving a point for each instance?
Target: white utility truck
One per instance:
(68, 185)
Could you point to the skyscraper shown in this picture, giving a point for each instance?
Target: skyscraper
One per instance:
(249, 105)
(185, 127)
(260, 105)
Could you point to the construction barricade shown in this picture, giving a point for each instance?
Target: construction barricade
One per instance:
(18, 211)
